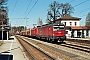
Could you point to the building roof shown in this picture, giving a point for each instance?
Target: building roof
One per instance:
(80, 27)
(69, 18)
(66, 17)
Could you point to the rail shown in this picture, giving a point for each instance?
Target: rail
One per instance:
(51, 58)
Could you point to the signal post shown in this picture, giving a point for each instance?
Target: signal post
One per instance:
(2, 33)
(7, 35)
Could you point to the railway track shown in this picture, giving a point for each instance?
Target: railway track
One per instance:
(79, 40)
(34, 52)
(77, 47)
(68, 49)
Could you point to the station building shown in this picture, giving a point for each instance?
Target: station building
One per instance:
(4, 32)
(73, 28)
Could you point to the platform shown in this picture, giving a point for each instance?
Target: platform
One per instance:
(12, 47)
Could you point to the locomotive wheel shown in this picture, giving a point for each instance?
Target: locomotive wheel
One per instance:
(61, 40)
(55, 40)
(49, 40)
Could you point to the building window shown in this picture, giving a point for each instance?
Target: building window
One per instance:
(65, 23)
(66, 32)
(87, 32)
(70, 23)
(78, 33)
(75, 23)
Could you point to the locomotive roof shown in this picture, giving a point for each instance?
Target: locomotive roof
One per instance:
(50, 25)
(38, 26)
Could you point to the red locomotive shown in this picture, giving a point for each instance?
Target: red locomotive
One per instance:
(52, 32)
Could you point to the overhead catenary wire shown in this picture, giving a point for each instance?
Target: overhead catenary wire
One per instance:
(14, 6)
(71, 1)
(28, 6)
(84, 10)
(13, 10)
(27, 9)
(81, 3)
(31, 9)
(17, 12)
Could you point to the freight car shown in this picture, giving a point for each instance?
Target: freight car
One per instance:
(51, 32)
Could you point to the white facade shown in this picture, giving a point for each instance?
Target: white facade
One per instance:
(89, 33)
(68, 34)
(71, 22)
(75, 33)
(74, 23)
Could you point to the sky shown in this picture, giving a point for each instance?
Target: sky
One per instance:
(32, 10)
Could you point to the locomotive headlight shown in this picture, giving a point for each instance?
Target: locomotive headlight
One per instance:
(59, 32)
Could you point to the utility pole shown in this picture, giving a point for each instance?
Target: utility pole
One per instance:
(27, 22)
(21, 19)
(26, 25)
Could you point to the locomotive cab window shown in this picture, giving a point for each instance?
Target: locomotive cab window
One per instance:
(58, 27)
(62, 27)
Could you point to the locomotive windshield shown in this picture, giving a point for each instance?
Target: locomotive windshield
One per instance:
(58, 27)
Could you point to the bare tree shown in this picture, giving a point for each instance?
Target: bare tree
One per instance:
(57, 10)
(3, 2)
(66, 9)
(40, 22)
(53, 12)
(88, 19)
(3, 12)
